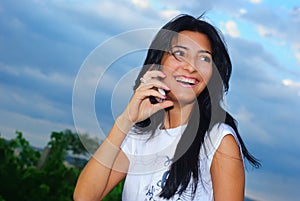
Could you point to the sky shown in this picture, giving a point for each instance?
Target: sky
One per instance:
(71, 65)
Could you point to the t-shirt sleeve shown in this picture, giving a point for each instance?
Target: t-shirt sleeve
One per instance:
(215, 137)
(127, 144)
(130, 143)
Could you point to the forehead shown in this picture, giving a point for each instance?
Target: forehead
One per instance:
(192, 40)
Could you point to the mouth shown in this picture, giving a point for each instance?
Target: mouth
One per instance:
(186, 81)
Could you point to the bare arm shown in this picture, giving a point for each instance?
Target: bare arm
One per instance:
(105, 169)
(227, 171)
(109, 165)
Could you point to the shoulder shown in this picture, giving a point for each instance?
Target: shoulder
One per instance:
(220, 130)
(221, 138)
(214, 137)
(227, 170)
(227, 139)
(227, 143)
(228, 148)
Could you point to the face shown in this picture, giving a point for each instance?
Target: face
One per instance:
(188, 66)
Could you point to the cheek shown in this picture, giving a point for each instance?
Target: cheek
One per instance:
(169, 64)
(205, 73)
(169, 69)
(169, 74)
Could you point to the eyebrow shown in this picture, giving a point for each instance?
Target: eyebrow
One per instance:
(200, 51)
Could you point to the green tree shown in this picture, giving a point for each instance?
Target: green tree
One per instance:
(116, 193)
(17, 159)
(58, 180)
(22, 180)
(28, 175)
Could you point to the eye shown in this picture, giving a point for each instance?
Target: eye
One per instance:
(205, 58)
(179, 54)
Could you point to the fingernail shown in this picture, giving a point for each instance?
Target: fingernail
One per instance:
(161, 91)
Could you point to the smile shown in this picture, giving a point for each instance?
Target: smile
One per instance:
(186, 81)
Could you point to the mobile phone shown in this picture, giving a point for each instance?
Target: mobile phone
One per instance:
(155, 100)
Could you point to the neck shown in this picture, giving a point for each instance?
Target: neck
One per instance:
(178, 115)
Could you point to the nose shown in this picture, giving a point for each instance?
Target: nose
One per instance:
(189, 65)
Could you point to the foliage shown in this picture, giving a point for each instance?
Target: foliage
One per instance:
(29, 175)
(116, 193)
(17, 159)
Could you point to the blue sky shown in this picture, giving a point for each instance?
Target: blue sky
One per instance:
(47, 46)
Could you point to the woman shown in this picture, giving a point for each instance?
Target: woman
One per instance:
(174, 141)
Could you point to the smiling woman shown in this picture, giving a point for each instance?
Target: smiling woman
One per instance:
(188, 65)
(185, 147)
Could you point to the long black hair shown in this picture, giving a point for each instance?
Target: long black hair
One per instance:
(207, 113)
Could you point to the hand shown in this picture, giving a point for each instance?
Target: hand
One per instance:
(139, 107)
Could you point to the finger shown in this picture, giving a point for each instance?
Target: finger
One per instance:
(154, 67)
(154, 83)
(159, 95)
(162, 105)
(153, 74)
(151, 92)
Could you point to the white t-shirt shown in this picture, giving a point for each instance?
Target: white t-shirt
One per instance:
(150, 160)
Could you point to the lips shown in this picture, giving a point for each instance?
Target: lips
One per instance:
(189, 81)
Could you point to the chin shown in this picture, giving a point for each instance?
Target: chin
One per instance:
(185, 99)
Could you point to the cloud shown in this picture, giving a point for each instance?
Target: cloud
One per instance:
(168, 14)
(232, 29)
(141, 3)
(256, 1)
(53, 85)
(278, 24)
(290, 83)
(34, 104)
(243, 11)
(256, 91)
(47, 49)
(265, 32)
(279, 186)
(296, 49)
(248, 122)
(39, 136)
(54, 78)
(298, 56)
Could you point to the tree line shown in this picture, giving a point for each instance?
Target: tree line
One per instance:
(48, 174)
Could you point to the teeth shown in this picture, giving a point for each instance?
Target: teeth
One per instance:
(186, 80)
